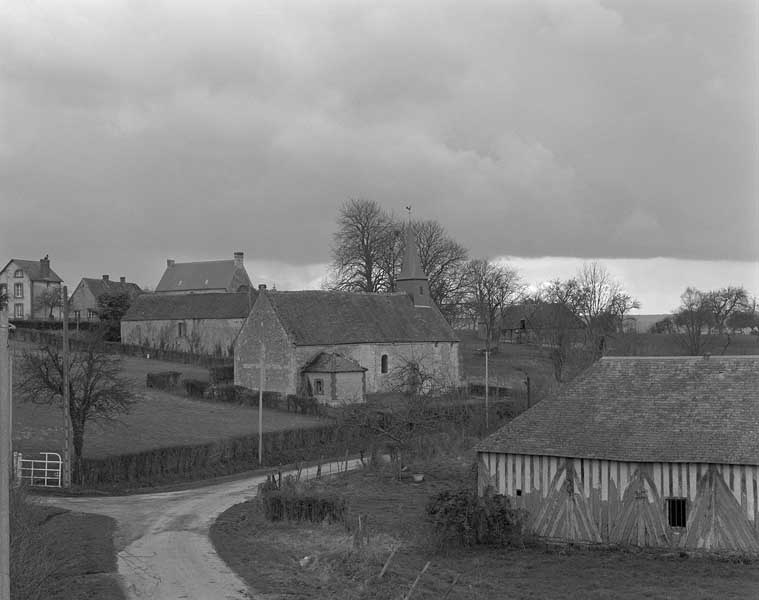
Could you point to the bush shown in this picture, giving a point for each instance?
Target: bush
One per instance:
(463, 518)
(237, 394)
(195, 388)
(222, 374)
(290, 503)
(163, 380)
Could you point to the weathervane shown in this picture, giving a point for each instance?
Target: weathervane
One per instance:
(408, 208)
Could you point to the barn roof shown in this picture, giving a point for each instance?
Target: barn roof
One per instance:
(316, 318)
(331, 362)
(652, 409)
(204, 275)
(33, 269)
(155, 307)
(99, 286)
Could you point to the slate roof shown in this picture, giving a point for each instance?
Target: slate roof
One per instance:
(154, 307)
(100, 286)
(652, 409)
(330, 362)
(315, 318)
(205, 275)
(33, 270)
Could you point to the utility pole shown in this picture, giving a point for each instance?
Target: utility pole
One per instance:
(5, 434)
(261, 401)
(66, 399)
(487, 390)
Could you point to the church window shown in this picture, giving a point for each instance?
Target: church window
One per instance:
(383, 365)
(319, 387)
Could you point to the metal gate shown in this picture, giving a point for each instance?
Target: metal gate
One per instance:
(44, 472)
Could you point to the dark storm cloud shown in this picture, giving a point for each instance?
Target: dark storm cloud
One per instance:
(134, 131)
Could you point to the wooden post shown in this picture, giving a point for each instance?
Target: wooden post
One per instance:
(5, 433)
(487, 389)
(261, 401)
(66, 396)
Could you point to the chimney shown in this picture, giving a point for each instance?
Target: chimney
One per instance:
(238, 259)
(122, 279)
(169, 262)
(261, 287)
(105, 277)
(45, 267)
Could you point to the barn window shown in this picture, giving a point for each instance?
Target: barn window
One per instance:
(421, 291)
(319, 387)
(181, 329)
(383, 361)
(676, 512)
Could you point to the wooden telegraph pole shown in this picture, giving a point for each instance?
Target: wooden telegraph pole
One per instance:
(261, 401)
(5, 434)
(65, 384)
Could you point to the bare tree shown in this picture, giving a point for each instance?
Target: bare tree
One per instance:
(490, 288)
(365, 248)
(701, 314)
(97, 389)
(746, 317)
(48, 300)
(724, 302)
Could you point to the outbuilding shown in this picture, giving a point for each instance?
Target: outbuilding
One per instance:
(646, 451)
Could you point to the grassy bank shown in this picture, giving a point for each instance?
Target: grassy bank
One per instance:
(61, 555)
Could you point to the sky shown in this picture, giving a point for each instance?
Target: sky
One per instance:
(542, 132)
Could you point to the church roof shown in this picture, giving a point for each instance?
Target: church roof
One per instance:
(331, 362)
(646, 409)
(412, 265)
(315, 318)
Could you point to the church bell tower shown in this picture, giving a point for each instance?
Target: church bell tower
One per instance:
(412, 280)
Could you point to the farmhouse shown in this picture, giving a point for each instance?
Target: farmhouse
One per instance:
(204, 277)
(384, 337)
(83, 303)
(33, 289)
(641, 451)
(197, 323)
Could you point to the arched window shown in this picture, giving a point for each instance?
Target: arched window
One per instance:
(421, 291)
(383, 365)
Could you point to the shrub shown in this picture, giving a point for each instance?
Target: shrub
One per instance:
(289, 503)
(163, 380)
(222, 374)
(463, 518)
(195, 388)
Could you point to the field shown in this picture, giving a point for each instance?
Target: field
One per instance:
(267, 554)
(158, 419)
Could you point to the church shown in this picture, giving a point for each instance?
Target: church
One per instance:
(340, 346)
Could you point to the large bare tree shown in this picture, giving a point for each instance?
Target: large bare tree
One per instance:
(97, 388)
(702, 318)
(490, 288)
(368, 249)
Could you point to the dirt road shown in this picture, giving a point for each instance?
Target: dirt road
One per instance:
(164, 552)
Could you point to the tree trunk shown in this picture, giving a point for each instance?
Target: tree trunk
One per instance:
(76, 466)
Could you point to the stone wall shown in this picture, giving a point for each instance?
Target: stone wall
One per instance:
(338, 388)
(281, 374)
(201, 336)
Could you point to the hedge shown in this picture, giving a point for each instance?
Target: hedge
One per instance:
(183, 463)
(222, 374)
(163, 380)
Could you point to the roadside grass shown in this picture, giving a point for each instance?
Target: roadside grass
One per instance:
(61, 555)
(267, 555)
(158, 419)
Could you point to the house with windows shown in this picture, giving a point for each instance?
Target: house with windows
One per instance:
(646, 451)
(83, 303)
(33, 289)
(333, 344)
(204, 277)
(197, 323)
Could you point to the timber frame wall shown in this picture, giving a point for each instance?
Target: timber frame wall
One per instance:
(606, 501)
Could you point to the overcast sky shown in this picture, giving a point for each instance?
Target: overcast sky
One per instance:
(135, 131)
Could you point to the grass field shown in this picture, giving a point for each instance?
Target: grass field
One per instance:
(267, 555)
(158, 419)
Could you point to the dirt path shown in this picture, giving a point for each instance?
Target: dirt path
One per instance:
(162, 539)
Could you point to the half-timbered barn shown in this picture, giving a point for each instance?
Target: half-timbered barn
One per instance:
(638, 451)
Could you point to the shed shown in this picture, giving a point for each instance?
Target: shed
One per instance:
(647, 451)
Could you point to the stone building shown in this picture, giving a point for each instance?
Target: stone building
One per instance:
(33, 289)
(204, 277)
(646, 451)
(198, 323)
(83, 303)
(333, 379)
(394, 337)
